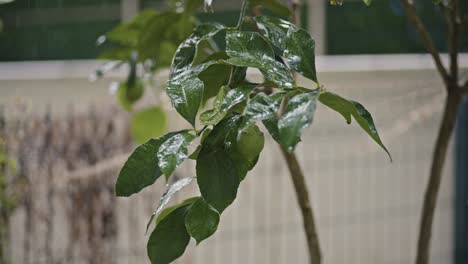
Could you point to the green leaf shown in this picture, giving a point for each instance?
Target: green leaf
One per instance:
(245, 145)
(128, 95)
(250, 49)
(213, 78)
(262, 107)
(170, 237)
(186, 96)
(299, 114)
(369, 2)
(218, 177)
(213, 116)
(274, 6)
(186, 52)
(348, 108)
(148, 123)
(201, 220)
(299, 53)
(141, 169)
(296, 44)
(170, 209)
(174, 151)
(275, 29)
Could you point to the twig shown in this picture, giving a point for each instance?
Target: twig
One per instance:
(426, 39)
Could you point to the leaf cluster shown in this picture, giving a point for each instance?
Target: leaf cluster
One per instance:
(209, 89)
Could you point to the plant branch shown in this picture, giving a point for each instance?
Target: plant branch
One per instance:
(432, 189)
(454, 30)
(303, 200)
(410, 11)
(244, 9)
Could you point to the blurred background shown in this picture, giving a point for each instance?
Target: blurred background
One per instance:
(65, 138)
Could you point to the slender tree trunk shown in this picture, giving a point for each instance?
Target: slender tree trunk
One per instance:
(303, 200)
(432, 189)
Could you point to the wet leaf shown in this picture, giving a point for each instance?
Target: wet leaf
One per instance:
(348, 108)
(262, 107)
(186, 51)
(174, 151)
(298, 115)
(186, 96)
(299, 53)
(171, 231)
(141, 169)
(201, 220)
(148, 123)
(166, 198)
(296, 44)
(250, 49)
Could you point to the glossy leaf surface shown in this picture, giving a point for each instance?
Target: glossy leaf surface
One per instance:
(250, 49)
(169, 231)
(348, 108)
(201, 220)
(141, 169)
(186, 96)
(174, 151)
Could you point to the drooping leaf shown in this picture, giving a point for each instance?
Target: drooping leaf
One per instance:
(298, 115)
(129, 32)
(186, 96)
(348, 108)
(148, 123)
(171, 231)
(174, 151)
(274, 6)
(250, 49)
(201, 220)
(163, 213)
(141, 169)
(296, 44)
(186, 51)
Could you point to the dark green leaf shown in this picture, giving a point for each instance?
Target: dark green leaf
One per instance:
(299, 53)
(141, 169)
(201, 220)
(186, 96)
(245, 145)
(295, 43)
(170, 237)
(275, 29)
(174, 151)
(218, 177)
(186, 52)
(298, 115)
(129, 32)
(148, 123)
(213, 78)
(348, 108)
(168, 210)
(249, 49)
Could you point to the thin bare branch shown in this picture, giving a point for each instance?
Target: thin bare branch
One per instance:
(426, 39)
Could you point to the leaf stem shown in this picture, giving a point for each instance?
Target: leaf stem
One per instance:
(244, 8)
